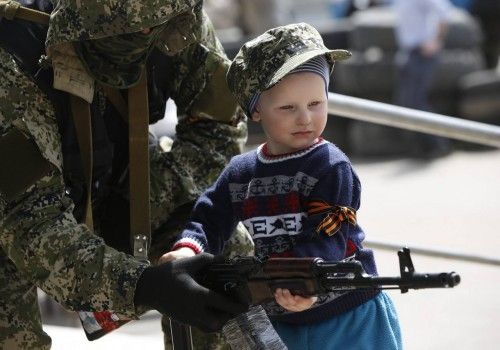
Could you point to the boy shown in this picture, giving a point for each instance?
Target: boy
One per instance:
(297, 194)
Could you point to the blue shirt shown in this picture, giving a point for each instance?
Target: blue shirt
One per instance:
(418, 21)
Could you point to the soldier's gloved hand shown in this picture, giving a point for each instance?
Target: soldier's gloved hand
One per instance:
(171, 289)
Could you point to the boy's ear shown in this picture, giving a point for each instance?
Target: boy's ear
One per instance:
(256, 115)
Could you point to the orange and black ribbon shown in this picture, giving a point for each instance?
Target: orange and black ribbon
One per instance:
(334, 218)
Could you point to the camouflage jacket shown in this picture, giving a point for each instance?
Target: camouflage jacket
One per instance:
(41, 243)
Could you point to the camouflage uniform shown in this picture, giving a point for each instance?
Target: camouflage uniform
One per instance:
(41, 243)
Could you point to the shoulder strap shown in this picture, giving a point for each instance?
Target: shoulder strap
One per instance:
(138, 118)
(80, 109)
(115, 97)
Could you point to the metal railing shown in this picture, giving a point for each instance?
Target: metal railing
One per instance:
(412, 119)
(426, 122)
(436, 253)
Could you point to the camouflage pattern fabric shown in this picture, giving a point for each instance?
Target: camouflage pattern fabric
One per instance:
(107, 34)
(240, 243)
(41, 244)
(265, 60)
(77, 20)
(118, 60)
(20, 321)
(40, 238)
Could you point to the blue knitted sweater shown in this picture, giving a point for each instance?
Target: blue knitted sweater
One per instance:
(270, 196)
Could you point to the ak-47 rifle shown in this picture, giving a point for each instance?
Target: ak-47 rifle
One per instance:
(249, 278)
(255, 280)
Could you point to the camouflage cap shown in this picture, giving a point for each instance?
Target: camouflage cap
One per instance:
(265, 60)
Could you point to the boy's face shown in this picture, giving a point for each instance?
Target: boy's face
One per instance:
(293, 113)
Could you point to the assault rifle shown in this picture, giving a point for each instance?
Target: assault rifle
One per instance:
(255, 280)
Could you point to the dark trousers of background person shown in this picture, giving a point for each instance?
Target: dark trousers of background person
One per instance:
(415, 78)
(488, 14)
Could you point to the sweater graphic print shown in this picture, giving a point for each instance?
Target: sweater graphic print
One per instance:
(270, 209)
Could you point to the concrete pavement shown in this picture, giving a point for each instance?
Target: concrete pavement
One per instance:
(452, 203)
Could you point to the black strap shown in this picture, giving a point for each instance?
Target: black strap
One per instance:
(80, 110)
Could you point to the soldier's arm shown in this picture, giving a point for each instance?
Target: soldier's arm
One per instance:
(208, 133)
(198, 80)
(37, 229)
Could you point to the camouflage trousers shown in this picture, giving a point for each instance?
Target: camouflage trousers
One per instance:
(19, 310)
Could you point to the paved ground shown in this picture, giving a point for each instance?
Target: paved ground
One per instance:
(450, 203)
(143, 334)
(453, 204)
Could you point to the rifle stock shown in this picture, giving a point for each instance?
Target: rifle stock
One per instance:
(250, 279)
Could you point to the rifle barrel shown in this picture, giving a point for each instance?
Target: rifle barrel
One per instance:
(410, 281)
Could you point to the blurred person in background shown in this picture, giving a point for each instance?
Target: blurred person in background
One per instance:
(340, 8)
(463, 4)
(260, 15)
(421, 27)
(345, 8)
(488, 14)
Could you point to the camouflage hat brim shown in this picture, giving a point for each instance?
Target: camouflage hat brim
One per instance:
(295, 61)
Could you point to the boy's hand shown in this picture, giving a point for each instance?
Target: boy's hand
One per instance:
(180, 253)
(291, 302)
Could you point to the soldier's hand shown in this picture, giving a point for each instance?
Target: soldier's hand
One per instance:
(171, 289)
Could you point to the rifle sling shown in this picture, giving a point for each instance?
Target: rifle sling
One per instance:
(138, 118)
(115, 97)
(140, 228)
(83, 124)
